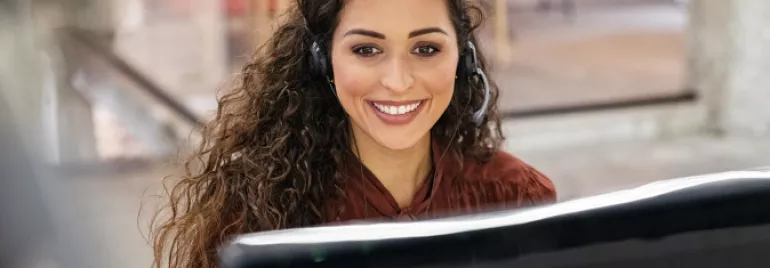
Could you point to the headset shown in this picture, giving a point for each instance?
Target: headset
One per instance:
(321, 68)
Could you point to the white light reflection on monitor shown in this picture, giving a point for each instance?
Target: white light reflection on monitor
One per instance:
(381, 231)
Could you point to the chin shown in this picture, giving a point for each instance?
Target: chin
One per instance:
(396, 142)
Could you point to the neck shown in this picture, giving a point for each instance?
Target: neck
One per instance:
(402, 172)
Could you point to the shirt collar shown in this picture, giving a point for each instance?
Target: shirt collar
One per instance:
(377, 196)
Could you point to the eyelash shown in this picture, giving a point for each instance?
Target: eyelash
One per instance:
(359, 51)
(429, 54)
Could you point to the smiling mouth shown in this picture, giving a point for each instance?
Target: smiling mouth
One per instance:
(397, 112)
(397, 109)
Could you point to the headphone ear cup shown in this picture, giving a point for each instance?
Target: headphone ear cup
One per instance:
(473, 69)
(470, 66)
(465, 68)
(323, 66)
(318, 62)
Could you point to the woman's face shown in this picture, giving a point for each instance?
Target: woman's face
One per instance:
(394, 67)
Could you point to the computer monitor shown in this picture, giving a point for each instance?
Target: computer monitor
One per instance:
(717, 220)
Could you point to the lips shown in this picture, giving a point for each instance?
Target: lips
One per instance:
(397, 112)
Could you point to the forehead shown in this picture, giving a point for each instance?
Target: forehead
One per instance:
(394, 16)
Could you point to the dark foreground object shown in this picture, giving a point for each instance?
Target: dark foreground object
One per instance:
(719, 220)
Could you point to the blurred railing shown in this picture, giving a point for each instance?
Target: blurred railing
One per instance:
(150, 114)
(124, 68)
(688, 96)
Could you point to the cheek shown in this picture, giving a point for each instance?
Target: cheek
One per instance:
(353, 82)
(440, 83)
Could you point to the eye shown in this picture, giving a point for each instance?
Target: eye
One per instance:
(426, 51)
(366, 51)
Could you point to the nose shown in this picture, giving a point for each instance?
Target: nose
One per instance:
(397, 76)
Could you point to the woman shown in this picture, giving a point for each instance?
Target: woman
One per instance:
(357, 109)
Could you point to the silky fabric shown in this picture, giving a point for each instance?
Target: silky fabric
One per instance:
(455, 186)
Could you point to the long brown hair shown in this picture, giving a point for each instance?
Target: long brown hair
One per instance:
(271, 158)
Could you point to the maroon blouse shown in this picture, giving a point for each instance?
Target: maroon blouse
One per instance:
(453, 187)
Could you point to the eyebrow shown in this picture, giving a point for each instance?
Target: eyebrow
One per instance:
(427, 31)
(412, 34)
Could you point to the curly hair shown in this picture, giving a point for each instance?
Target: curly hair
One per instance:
(273, 155)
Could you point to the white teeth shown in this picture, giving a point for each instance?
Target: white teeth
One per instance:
(397, 110)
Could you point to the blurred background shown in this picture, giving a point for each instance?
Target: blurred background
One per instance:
(600, 95)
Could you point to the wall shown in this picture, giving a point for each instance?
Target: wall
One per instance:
(729, 63)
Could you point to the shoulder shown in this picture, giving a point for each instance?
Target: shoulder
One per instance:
(514, 180)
